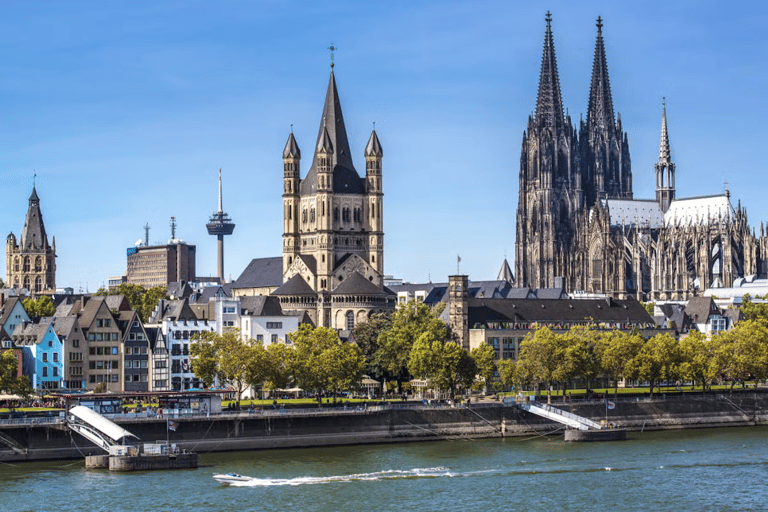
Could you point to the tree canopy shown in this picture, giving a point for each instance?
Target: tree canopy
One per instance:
(142, 300)
(40, 307)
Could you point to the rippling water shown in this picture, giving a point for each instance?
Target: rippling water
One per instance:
(712, 469)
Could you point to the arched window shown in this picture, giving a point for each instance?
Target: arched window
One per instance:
(26, 282)
(350, 320)
(38, 284)
(312, 215)
(304, 215)
(38, 264)
(16, 264)
(26, 264)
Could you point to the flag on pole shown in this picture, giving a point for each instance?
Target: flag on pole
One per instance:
(172, 425)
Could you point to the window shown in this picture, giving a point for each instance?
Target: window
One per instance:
(161, 364)
(114, 351)
(99, 323)
(128, 351)
(114, 336)
(274, 338)
(350, 320)
(229, 323)
(45, 357)
(274, 325)
(75, 343)
(107, 322)
(55, 371)
(55, 357)
(45, 371)
(91, 336)
(260, 338)
(50, 343)
(128, 364)
(229, 309)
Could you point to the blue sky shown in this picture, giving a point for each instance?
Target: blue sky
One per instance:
(126, 111)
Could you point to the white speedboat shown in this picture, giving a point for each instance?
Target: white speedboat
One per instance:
(231, 478)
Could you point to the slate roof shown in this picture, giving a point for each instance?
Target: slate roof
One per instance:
(526, 311)
(210, 292)
(7, 308)
(505, 274)
(673, 313)
(179, 290)
(345, 177)
(33, 235)
(358, 285)
(261, 305)
(699, 309)
(295, 286)
(260, 273)
(63, 325)
(438, 292)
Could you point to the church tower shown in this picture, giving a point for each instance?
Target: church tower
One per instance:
(31, 263)
(333, 229)
(665, 169)
(604, 149)
(550, 183)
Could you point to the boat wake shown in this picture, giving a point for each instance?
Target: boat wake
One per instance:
(378, 475)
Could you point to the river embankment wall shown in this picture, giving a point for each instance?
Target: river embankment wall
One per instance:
(50, 438)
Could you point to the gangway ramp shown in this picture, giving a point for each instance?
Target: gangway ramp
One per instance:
(566, 418)
(96, 428)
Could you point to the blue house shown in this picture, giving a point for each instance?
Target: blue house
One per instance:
(42, 350)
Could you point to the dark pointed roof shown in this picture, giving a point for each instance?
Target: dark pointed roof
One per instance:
(291, 148)
(357, 284)
(505, 274)
(345, 177)
(33, 235)
(295, 286)
(373, 148)
(600, 109)
(549, 106)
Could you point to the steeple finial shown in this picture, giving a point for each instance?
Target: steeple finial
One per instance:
(333, 49)
(600, 108)
(549, 105)
(664, 151)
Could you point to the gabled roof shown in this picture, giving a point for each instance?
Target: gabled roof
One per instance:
(699, 309)
(179, 290)
(117, 302)
(210, 292)
(7, 309)
(505, 274)
(64, 325)
(178, 310)
(91, 310)
(345, 177)
(295, 286)
(357, 284)
(260, 273)
(260, 305)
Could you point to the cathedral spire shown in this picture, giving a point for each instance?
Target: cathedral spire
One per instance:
(600, 110)
(549, 106)
(664, 152)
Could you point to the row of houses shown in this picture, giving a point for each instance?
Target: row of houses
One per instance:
(100, 342)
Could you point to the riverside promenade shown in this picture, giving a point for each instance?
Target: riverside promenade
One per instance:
(40, 438)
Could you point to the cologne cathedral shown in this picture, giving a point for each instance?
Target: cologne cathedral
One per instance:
(578, 224)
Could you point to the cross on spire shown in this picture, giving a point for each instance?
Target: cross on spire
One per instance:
(333, 49)
(548, 18)
(599, 24)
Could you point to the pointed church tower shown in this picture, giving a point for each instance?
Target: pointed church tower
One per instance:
(333, 238)
(550, 182)
(665, 169)
(604, 148)
(31, 264)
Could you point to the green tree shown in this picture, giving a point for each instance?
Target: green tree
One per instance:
(753, 310)
(224, 356)
(649, 307)
(322, 362)
(543, 356)
(9, 367)
(40, 307)
(278, 366)
(508, 374)
(659, 359)
(699, 362)
(366, 335)
(485, 360)
(617, 351)
(409, 322)
(444, 363)
(142, 300)
(742, 352)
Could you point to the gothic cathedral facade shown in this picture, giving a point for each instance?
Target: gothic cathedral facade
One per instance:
(577, 220)
(333, 228)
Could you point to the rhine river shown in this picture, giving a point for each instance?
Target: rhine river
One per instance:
(708, 469)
